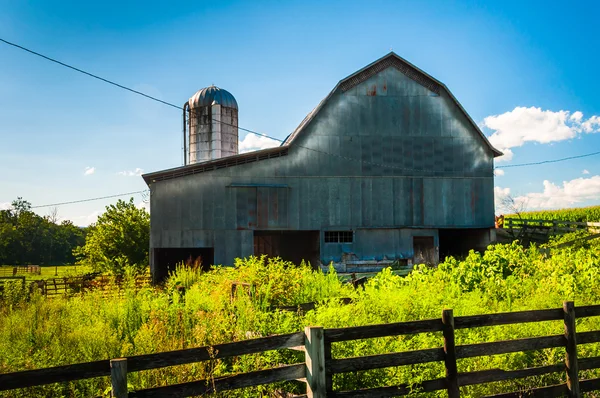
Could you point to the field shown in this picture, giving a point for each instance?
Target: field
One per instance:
(581, 214)
(42, 332)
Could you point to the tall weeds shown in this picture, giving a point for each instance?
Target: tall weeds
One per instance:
(197, 308)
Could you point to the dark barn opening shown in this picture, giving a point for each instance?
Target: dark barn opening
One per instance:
(424, 250)
(293, 246)
(458, 242)
(166, 260)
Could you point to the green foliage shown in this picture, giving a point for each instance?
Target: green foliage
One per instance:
(15, 293)
(118, 240)
(49, 332)
(26, 238)
(578, 214)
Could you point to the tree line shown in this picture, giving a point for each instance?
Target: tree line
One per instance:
(117, 242)
(28, 238)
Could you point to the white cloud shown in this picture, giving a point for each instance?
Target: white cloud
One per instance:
(143, 205)
(253, 142)
(576, 116)
(84, 221)
(506, 157)
(585, 172)
(592, 125)
(556, 196)
(131, 173)
(521, 125)
(89, 171)
(498, 172)
(5, 205)
(500, 192)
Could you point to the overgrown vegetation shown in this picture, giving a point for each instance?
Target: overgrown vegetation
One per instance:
(197, 309)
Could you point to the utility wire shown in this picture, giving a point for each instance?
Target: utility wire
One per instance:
(87, 73)
(261, 134)
(192, 111)
(549, 161)
(90, 199)
(255, 132)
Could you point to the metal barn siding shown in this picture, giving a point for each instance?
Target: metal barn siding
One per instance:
(389, 158)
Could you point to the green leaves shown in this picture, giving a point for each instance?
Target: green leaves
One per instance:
(118, 241)
(27, 238)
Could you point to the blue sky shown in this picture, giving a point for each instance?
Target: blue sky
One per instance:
(525, 71)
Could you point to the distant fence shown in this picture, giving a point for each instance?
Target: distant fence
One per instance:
(320, 366)
(79, 284)
(21, 269)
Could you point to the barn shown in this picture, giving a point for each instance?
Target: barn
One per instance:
(387, 169)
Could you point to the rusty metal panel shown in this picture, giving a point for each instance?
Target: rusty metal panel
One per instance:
(417, 201)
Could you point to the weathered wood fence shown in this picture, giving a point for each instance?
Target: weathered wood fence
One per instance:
(55, 287)
(21, 269)
(320, 366)
(81, 284)
(552, 226)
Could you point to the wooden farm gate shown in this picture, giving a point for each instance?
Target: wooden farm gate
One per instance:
(527, 230)
(319, 366)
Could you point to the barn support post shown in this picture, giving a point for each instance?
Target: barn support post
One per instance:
(450, 354)
(118, 377)
(314, 351)
(571, 350)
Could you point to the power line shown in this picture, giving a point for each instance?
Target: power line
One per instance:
(118, 85)
(90, 199)
(87, 73)
(192, 111)
(549, 161)
(261, 134)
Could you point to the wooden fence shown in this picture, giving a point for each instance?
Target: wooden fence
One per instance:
(21, 269)
(56, 287)
(552, 226)
(319, 366)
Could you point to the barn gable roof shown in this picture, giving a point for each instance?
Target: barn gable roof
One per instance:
(390, 60)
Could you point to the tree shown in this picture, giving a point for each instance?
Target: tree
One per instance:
(27, 238)
(512, 205)
(118, 240)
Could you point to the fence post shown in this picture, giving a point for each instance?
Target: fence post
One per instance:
(571, 354)
(314, 351)
(450, 354)
(118, 377)
(328, 376)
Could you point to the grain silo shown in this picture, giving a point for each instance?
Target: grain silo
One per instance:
(211, 120)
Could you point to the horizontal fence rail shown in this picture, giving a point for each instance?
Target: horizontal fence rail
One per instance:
(319, 366)
(62, 286)
(552, 225)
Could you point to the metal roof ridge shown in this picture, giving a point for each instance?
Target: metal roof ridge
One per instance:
(290, 138)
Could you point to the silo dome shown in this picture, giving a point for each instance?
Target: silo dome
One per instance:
(213, 95)
(212, 117)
